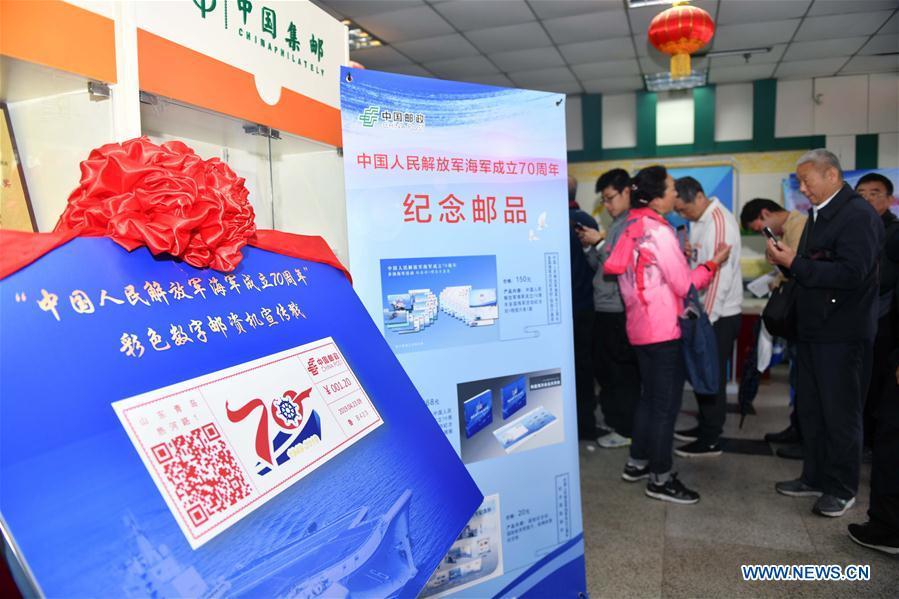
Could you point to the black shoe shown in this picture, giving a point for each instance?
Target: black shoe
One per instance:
(673, 490)
(699, 449)
(832, 506)
(796, 488)
(788, 435)
(632, 473)
(687, 435)
(790, 452)
(872, 536)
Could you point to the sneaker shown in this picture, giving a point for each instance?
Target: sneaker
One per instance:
(634, 473)
(673, 490)
(871, 536)
(698, 449)
(797, 488)
(788, 435)
(790, 452)
(687, 435)
(832, 506)
(613, 441)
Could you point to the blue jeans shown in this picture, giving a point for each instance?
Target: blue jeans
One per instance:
(662, 373)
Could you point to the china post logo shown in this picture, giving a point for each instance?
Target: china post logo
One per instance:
(369, 116)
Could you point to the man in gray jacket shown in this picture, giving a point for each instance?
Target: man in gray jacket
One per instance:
(615, 364)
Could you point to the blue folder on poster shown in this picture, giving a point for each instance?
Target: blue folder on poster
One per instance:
(87, 326)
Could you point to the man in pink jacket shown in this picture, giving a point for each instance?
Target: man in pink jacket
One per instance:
(654, 279)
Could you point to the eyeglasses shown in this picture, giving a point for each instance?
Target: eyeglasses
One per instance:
(609, 199)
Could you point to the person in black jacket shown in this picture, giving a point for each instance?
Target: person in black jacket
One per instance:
(836, 273)
(582, 316)
(878, 190)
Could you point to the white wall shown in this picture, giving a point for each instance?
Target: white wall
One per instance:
(850, 105)
(888, 150)
(733, 112)
(674, 118)
(619, 120)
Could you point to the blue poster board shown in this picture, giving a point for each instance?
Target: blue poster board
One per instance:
(716, 181)
(92, 335)
(458, 231)
(794, 200)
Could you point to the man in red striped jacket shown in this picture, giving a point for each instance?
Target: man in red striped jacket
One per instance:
(712, 225)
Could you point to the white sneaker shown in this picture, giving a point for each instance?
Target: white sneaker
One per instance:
(613, 441)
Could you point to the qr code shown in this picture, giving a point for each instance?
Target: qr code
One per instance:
(203, 472)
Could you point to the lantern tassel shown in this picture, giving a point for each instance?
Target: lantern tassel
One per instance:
(680, 66)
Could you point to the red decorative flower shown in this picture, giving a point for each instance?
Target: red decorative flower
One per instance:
(166, 198)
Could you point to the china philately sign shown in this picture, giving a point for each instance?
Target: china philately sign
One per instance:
(294, 45)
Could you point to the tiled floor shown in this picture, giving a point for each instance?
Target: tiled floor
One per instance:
(639, 547)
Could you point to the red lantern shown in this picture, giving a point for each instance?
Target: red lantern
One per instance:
(680, 31)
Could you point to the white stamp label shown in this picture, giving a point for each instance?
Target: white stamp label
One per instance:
(221, 445)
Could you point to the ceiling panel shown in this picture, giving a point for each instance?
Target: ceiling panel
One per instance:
(818, 28)
(641, 17)
(542, 77)
(411, 69)
(733, 12)
(358, 8)
(611, 49)
(406, 24)
(830, 7)
(740, 73)
(806, 69)
(771, 57)
(468, 16)
(510, 37)
(533, 58)
(754, 35)
(587, 27)
(462, 67)
(881, 44)
(825, 48)
(613, 85)
(497, 79)
(871, 64)
(614, 68)
(892, 25)
(441, 47)
(559, 88)
(551, 9)
(380, 57)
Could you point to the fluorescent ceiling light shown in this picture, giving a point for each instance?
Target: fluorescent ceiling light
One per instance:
(360, 38)
(743, 52)
(642, 3)
(662, 82)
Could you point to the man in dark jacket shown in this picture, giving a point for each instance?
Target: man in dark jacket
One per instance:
(836, 272)
(878, 190)
(582, 315)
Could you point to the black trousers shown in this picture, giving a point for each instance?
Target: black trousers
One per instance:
(884, 344)
(616, 370)
(662, 372)
(713, 408)
(831, 385)
(583, 374)
(884, 507)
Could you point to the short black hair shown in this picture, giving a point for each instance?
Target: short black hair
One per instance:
(876, 178)
(617, 178)
(648, 184)
(687, 188)
(753, 209)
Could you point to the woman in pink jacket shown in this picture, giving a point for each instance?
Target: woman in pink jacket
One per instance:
(654, 279)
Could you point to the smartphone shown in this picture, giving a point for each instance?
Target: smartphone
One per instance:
(682, 236)
(770, 235)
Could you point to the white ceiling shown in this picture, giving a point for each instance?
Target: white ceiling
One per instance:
(600, 46)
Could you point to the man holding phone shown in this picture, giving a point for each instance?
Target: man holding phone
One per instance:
(836, 307)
